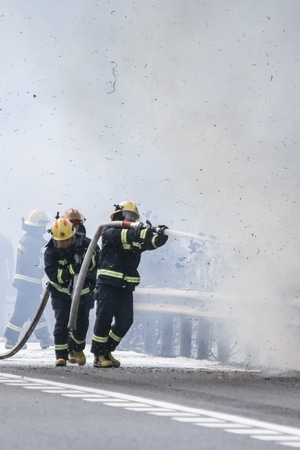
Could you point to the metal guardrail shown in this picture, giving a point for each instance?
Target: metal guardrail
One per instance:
(185, 302)
(172, 322)
(193, 324)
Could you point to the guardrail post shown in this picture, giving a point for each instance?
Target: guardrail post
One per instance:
(223, 344)
(166, 336)
(150, 327)
(185, 336)
(203, 338)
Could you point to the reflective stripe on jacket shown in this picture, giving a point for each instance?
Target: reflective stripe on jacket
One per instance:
(121, 254)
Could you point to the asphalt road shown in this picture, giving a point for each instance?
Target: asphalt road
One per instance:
(142, 407)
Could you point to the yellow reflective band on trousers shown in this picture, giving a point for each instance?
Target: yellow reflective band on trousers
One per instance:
(76, 340)
(100, 339)
(61, 346)
(114, 336)
(28, 279)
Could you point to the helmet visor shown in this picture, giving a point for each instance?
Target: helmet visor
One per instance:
(65, 244)
(131, 216)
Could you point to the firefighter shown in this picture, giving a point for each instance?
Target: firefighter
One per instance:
(76, 218)
(28, 280)
(63, 257)
(121, 250)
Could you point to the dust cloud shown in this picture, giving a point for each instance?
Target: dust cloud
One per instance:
(190, 109)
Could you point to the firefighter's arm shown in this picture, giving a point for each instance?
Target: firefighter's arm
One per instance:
(161, 238)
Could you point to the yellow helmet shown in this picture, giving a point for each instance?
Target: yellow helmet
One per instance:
(130, 210)
(37, 218)
(62, 229)
(74, 216)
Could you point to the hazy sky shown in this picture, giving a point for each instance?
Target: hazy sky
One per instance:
(189, 108)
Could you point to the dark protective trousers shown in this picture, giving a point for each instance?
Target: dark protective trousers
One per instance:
(114, 317)
(64, 340)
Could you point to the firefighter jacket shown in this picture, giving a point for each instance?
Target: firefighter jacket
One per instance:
(30, 261)
(61, 267)
(121, 254)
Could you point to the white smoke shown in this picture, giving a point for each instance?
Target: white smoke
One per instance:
(188, 108)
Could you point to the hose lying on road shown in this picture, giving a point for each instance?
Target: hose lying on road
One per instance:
(35, 319)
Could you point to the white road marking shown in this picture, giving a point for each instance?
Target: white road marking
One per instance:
(279, 434)
(278, 438)
(84, 396)
(255, 431)
(291, 444)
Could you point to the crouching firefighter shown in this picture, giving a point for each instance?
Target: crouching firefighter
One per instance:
(63, 257)
(121, 250)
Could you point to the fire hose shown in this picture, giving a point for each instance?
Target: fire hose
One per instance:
(34, 321)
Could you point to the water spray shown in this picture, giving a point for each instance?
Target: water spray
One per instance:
(192, 237)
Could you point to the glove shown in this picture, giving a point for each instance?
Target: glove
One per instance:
(161, 237)
(161, 229)
(74, 269)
